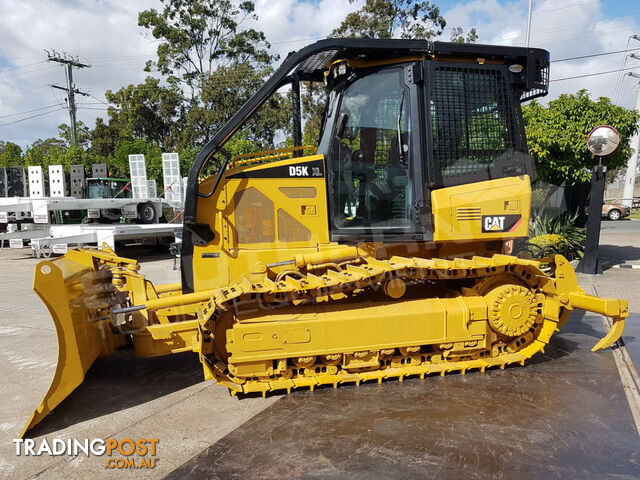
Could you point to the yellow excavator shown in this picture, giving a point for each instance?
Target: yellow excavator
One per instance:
(383, 253)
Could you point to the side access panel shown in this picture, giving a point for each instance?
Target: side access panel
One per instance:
(490, 210)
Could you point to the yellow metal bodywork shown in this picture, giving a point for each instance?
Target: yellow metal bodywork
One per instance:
(458, 211)
(304, 201)
(228, 257)
(348, 328)
(277, 305)
(66, 290)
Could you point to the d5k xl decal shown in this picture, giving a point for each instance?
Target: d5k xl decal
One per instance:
(500, 223)
(311, 169)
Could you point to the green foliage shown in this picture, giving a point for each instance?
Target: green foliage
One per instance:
(557, 135)
(557, 234)
(398, 18)
(119, 163)
(83, 133)
(313, 102)
(388, 18)
(45, 152)
(458, 36)
(223, 93)
(196, 36)
(148, 110)
(104, 139)
(10, 154)
(550, 244)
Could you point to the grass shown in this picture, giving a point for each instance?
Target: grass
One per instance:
(635, 214)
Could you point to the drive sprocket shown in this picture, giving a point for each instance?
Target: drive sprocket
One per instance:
(512, 309)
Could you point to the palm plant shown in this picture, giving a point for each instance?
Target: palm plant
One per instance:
(557, 234)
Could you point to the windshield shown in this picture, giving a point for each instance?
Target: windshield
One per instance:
(99, 190)
(366, 143)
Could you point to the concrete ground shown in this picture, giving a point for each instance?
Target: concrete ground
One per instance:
(564, 415)
(388, 431)
(122, 396)
(619, 244)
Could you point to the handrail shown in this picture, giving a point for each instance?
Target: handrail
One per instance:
(269, 154)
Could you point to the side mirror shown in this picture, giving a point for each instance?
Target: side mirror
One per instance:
(342, 124)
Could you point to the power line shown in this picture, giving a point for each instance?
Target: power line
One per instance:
(620, 80)
(594, 55)
(18, 67)
(30, 111)
(32, 116)
(105, 103)
(97, 108)
(592, 74)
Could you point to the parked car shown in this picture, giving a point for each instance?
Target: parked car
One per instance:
(615, 211)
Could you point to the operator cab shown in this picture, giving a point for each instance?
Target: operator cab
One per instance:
(394, 132)
(366, 143)
(108, 188)
(407, 125)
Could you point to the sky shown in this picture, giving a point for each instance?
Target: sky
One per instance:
(106, 35)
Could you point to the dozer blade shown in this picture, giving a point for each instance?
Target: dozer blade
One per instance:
(71, 289)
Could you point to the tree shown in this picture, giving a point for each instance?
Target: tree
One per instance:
(397, 18)
(223, 93)
(457, 35)
(391, 18)
(104, 139)
(83, 133)
(557, 135)
(10, 154)
(119, 164)
(197, 36)
(313, 104)
(45, 152)
(148, 110)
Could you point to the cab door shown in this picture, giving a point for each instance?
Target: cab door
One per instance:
(374, 157)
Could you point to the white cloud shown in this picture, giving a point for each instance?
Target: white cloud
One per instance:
(105, 33)
(566, 30)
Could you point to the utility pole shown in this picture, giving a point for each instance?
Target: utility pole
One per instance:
(529, 22)
(69, 62)
(632, 163)
(634, 143)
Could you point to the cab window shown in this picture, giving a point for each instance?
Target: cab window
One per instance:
(369, 153)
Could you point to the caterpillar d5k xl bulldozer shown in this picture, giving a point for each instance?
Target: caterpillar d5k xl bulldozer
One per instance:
(379, 255)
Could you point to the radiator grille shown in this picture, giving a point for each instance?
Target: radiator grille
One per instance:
(468, 214)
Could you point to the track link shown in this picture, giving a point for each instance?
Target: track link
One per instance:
(355, 279)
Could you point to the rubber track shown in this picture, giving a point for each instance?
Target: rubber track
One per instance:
(356, 278)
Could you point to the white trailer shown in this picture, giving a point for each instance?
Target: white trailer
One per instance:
(63, 237)
(15, 238)
(145, 208)
(41, 207)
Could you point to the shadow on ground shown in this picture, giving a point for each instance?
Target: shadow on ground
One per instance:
(611, 255)
(119, 382)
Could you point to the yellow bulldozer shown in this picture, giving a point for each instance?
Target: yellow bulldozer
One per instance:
(383, 253)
